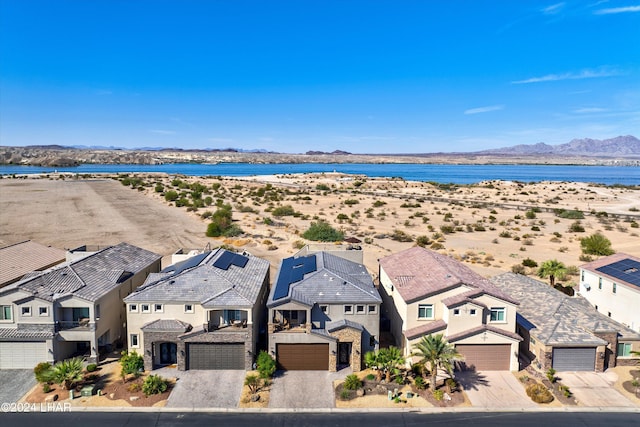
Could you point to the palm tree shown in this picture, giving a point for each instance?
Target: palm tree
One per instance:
(68, 372)
(436, 351)
(389, 359)
(552, 269)
(372, 360)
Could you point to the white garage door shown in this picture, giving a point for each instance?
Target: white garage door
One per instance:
(22, 354)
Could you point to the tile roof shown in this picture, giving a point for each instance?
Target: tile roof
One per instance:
(425, 329)
(463, 298)
(12, 334)
(418, 272)
(557, 318)
(206, 284)
(21, 258)
(91, 277)
(166, 325)
(599, 267)
(481, 329)
(335, 281)
(344, 323)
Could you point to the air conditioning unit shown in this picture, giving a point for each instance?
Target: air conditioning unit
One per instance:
(586, 286)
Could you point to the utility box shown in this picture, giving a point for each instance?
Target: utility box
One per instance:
(87, 391)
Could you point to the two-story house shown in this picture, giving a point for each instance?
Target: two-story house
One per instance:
(205, 312)
(612, 285)
(324, 313)
(73, 309)
(425, 292)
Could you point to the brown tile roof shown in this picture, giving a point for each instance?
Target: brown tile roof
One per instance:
(483, 328)
(427, 329)
(417, 272)
(21, 258)
(465, 297)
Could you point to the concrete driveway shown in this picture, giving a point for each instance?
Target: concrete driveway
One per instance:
(15, 384)
(594, 388)
(304, 389)
(494, 389)
(204, 389)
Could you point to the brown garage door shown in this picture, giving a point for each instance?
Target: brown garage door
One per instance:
(485, 357)
(303, 357)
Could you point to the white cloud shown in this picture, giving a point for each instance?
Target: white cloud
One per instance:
(615, 10)
(486, 109)
(553, 9)
(588, 110)
(584, 74)
(162, 131)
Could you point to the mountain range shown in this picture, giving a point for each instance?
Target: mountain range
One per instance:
(619, 146)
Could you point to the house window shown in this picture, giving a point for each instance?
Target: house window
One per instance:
(582, 275)
(26, 311)
(624, 349)
(134, 341)
(456, 312)
(231, 316)
(497, 314)
(425, 311)
(600, 283)
(43, 311)
(97, 311)
(188, 308)
(133, 308)
(614, 288)
(472, 312)
(5, 312)
(145, 308)
(372, 309)
(157, 308)
(348, 309)
(360, 309)
(324, 309)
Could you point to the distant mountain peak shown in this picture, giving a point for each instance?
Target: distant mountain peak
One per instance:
(627, 145)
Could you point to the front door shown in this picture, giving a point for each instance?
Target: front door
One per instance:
(344, 353)
(168, 353)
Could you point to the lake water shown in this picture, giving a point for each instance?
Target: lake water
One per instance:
(458, 174)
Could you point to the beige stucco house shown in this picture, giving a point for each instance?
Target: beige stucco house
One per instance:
(205, 312)
(73, 309)
(425, 292)
(324, 313)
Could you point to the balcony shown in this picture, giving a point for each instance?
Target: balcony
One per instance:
(294, 321)
(227, 320)
(81, 325)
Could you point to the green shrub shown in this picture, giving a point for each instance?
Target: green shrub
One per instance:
(46, 388)
(351, 202)
(576, 227)
(68, 372)
(266, 365)
(323, 232)
(438, 394)
(569, 214)
(154, 384)
(596, 244)
(420, 383)
(132, 364)
(379, 203)
(371, 377)
(528, 262)
(253, 382)
(323, 187)
(401, 236)
(352, 382)
(551, 375)
(171, 196)
(91, 367)
(134, 387)
(43, 372)
(539, 393)
(283, 211)
(523, 378)
(345, 395)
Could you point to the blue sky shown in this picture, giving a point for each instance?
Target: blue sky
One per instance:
(291, 76)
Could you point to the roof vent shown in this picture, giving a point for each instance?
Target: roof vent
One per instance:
(171, 282)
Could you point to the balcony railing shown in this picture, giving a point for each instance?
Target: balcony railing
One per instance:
(81, 325)
(236, 325)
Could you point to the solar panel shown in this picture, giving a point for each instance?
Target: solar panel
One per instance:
(186, 264)
(626, 270)
(292, 270)
(228, 259)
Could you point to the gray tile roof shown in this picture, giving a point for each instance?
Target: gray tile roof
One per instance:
(89, 278)
(206, 284)
(344, 323)
(167, 325)
(323, 333)
(418, 272)
(558, 318)
(11, 334)
(336, 281)
(21, 258)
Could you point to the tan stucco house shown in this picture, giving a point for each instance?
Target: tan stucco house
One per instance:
(205, 312)
(73, 309)
(324, 313)
(425, 292)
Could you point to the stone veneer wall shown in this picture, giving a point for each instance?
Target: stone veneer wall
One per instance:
(159, 337)
(245, 336)
(606, 356)
(355, 338)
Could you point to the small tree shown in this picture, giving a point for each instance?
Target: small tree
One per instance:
(68, 372)
(436, 351)
(551, 269)
(323, 232)
(132, 364)
(371, 360)
(389, 359)
(253, 382)
(596, 244)
(44, 372)
(266, 365)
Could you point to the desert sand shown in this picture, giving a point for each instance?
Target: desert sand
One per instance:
(70, 212)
